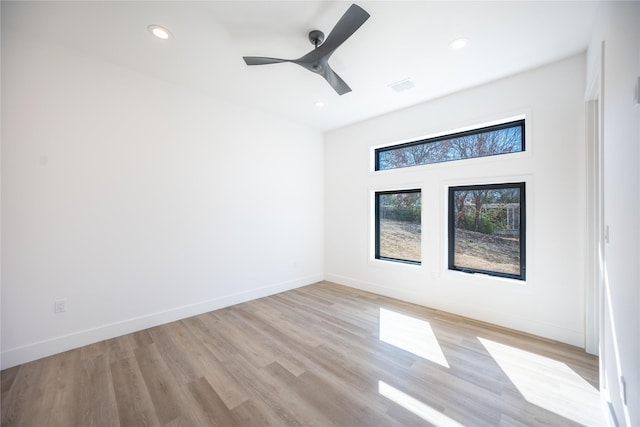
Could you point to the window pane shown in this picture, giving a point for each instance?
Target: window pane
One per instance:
(488, 141)
(486, 229)
(398, 225)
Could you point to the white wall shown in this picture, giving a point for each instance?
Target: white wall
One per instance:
(551, 301)
(141, 202)
(619, 29)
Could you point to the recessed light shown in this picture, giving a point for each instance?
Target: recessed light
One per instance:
(159, 32)
(319, 104)
(459, 43)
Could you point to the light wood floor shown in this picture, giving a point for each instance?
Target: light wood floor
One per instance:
(322, 355)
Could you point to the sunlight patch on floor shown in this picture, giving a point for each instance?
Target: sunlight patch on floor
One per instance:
(412, 335)
(413, 405)
(549, 384)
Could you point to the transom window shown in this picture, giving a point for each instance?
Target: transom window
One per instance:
(487, 141)
(487, 229)
(398, 226)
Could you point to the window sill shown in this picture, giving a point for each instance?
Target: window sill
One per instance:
(482, 278)
(392, 264)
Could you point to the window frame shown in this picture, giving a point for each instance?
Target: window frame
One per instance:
(520, 122)
(376, 221)
(451, 228)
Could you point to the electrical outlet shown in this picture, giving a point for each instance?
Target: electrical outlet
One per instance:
(60, 305)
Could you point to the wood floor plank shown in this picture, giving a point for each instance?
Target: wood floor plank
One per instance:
(255, 413)
(278, 343)
(132, 397)
(279, 406)
(18, 400)
(332, 405)
(95, 380)
(58, 390)
(141, 338)
(7, 378)
(170, 343)
(285, 384)
(244, 343)
(225, 385)
(120, 348)
(211, 404)
(296, 329)
(162, 386)
(312, 356)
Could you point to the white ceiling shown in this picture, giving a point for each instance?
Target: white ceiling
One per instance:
(400, 40)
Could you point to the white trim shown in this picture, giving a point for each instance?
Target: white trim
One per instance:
(594, 254)
(593, 221)
(27, 353)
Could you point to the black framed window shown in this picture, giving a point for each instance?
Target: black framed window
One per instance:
(398, 225)
(487, 141)
(487, 229)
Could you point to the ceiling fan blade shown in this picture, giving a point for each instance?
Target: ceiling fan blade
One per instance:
(261, 60)
(336, 81)
(352, 19)
(317, 60)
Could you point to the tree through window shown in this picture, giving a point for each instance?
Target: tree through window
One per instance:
(398, 226)
(488, 141)
(487, 229)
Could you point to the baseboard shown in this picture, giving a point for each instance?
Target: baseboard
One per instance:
(34, 351)
(533, 327)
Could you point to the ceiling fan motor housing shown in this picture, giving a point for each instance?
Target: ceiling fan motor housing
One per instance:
(316, 37)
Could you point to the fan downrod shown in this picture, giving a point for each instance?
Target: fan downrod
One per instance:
(316, 37)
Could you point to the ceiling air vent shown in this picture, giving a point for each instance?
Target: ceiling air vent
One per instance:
(402, 85)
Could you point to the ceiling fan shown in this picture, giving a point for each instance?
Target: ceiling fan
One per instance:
(317, 60)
